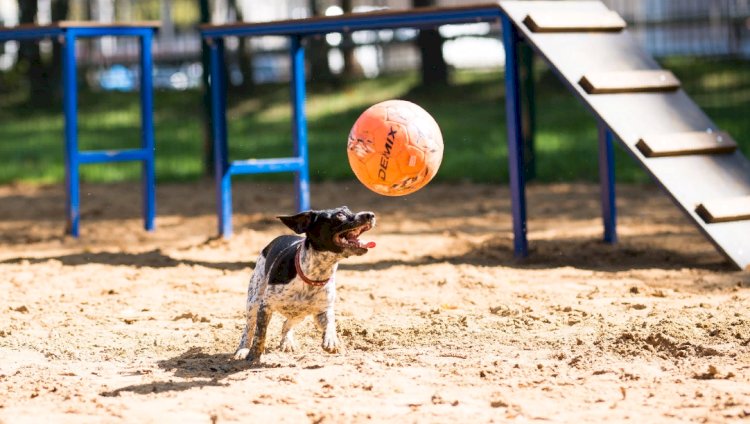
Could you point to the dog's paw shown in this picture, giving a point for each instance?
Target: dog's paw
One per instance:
(241, 354)
(331, 343)
(289, 345)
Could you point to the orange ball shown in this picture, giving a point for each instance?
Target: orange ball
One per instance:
(395, 148)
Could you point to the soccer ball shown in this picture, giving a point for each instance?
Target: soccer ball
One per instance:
(395, 148)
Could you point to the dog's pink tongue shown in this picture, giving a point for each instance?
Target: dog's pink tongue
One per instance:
(370, 244)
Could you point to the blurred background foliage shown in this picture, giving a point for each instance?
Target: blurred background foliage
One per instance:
(706, 44)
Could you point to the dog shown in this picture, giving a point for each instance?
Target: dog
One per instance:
(295, 276)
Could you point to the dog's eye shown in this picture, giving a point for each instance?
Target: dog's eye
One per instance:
(340, 216)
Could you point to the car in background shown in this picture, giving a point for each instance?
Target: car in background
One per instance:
(118, 78)
(122, 78)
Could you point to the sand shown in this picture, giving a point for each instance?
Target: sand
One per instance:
(440, 323)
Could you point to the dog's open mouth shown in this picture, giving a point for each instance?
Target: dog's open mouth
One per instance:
(350, 238)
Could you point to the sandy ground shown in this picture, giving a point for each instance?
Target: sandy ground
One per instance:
(440, 323)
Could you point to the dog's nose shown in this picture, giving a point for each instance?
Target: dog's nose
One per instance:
(368, 215)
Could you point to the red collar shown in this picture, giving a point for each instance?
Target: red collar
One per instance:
(298, 267)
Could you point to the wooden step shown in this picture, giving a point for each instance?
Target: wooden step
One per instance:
(687, 143)
(607, 21)
(725, 210)
(629, 82)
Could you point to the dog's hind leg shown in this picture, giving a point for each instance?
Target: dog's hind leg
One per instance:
(259, 341)
(247, 335)
(251, 309)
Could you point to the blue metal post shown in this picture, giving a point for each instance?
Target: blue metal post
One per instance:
(528, 117)
(515, 137)
(299, 123)
(607, 183)
(416, 18)
(147, 132)
(70, 106)
(219, 132)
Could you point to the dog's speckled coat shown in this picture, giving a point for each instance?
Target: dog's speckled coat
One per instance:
(275, 285)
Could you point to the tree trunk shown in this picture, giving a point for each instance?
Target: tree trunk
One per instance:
(317, 52)
(43, 77)
(352, 68)
(60, 10)
(430, 43)
(208, 151)
(244, 53)
(166, 31)
(29, 57)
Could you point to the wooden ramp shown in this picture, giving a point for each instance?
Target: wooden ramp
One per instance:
(697, 164)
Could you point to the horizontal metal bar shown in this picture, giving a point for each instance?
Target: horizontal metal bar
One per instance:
(124, 31)
(105, 156)
(355, 22)
(29, 33)
(265, 166)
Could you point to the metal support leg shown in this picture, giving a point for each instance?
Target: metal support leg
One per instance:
(528, 103)
(607, 183)
(70, 106)
(219, 133)
(147, 133)
(515, 138)
(299, 123)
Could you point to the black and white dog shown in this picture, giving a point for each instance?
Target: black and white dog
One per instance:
(294, 276)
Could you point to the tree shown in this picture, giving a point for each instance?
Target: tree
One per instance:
(60, 11)
(208, 152)
(318, 52)
(244, 53)
(352, 68)
(29, 57)
(430, 43)
(43, 74)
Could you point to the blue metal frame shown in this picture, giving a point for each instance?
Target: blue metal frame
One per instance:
(70, 108)
(223, 176)
(148, 144)
(410, 19)
(30, 33)
(299, 124)
(515, 137)
(224, 167)
(297, 29)
(607, 182)
(73, 157)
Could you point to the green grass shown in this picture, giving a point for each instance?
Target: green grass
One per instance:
(470, 113)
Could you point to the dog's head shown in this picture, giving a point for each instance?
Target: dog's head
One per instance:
(333, 230)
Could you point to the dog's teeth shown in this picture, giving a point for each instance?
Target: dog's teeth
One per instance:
(351, 237)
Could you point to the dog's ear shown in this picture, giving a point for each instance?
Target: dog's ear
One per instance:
(298, 223)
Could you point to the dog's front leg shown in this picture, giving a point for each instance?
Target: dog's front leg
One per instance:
(326, 321)
(288, 342)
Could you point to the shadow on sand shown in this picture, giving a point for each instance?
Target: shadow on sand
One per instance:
(201, 370)
(150, 259)
(580, 253)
